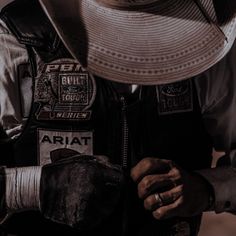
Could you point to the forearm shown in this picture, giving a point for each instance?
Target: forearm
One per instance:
(222, 180)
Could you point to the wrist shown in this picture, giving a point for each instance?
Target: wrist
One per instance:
(211, 202)
(210, 195)
(3, 211)
(22, 188)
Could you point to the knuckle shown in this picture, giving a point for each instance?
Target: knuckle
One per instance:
(144, 186)
(133, 173)
(180, 202)
(148, 203)
(157, 214)
(146, 182)
(140, 192)
(147, 162)
(181, 188)
(174, 173)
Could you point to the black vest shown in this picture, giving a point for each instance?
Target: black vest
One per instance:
(74, 112)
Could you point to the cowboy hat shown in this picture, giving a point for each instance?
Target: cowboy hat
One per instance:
(142, 41)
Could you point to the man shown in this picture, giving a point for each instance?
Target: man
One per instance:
(109, 113)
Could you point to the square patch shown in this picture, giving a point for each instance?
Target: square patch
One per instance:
(175, 97)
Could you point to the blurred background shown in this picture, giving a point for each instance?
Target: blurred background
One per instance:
(218, 225)
(223, 224)
(212, 224)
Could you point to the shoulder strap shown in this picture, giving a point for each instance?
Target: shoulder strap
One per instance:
(30, 25)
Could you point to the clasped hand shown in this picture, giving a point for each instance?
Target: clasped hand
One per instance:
(167, 190)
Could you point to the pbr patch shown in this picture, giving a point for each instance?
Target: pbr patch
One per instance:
(64, 91)
(25, 87)
(175, 98)
(53, 144)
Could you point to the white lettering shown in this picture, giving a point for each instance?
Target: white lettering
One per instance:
(75, 98)
(72, 80)
(52, 67)
(67, 67)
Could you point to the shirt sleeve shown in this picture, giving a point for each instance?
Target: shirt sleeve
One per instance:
(217, 97)
(12, 55)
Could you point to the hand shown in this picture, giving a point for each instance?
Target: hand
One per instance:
(167, 190)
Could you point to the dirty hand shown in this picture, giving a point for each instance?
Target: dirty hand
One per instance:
(167, 190)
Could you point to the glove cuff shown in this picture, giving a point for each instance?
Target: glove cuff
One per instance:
(22, 188)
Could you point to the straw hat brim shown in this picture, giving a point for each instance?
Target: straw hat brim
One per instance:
(167, 41)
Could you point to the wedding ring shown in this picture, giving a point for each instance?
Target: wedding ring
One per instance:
(158, 199)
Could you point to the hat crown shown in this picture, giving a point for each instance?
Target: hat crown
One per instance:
(125, 3)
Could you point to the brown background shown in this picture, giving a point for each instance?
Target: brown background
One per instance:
(218, 225)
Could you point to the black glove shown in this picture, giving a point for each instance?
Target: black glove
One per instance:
(80, 191)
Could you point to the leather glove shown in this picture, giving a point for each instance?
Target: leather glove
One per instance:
(80, 191)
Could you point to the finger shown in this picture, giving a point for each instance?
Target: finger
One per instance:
(151, 202)
(175, 175)
(154, 183)
(159, 183)
(170, 210)
(149, 166)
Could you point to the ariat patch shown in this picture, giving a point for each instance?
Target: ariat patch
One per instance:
(64, 91)
(25, 88)
(54, 143)
(175, 98)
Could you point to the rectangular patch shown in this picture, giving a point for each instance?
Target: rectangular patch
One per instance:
(175, 98)
(49, 141)
(73, 89)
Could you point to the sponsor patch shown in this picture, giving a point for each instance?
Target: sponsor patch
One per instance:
(75, 142)
(65, 91)
(175, 98)
(25, 87)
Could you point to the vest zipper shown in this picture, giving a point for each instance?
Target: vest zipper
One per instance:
(124, 160)
(125, 134)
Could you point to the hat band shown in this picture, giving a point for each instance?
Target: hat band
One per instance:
(126, 3)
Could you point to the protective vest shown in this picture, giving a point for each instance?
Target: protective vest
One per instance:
(74, 112)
